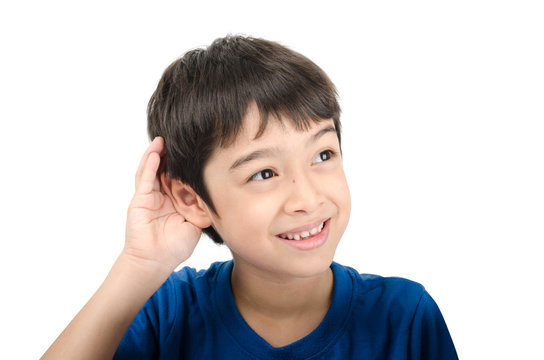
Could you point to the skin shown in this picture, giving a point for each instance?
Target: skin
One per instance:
(281, 291)
(157, 239)
(300, 182)
(304, 189)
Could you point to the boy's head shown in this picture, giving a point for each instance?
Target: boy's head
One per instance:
(202, 99)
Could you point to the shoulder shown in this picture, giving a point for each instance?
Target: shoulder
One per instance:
(183, 299)
(189, 275)
(391, 293)
(392, 285)
(182, 289)
(382, 306)
(190, 280)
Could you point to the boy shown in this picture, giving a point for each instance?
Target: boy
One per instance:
(247, 147)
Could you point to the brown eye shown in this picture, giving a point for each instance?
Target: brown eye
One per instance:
(263, 175)
(323, 156)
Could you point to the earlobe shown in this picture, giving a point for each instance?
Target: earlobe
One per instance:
(186, 201)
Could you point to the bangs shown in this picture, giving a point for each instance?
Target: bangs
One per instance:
(202, 98)
(281, 82)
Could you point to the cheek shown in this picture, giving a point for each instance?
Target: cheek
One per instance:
(244, 217)
(346, 196)
(246, 228)
(339, 191)
(337, 188)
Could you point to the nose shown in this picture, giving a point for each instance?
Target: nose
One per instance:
(303, 194)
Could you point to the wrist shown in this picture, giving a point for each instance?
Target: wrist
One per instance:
(142, 273)
(145, 268)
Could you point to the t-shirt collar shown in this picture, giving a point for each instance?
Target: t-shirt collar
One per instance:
(318, 341)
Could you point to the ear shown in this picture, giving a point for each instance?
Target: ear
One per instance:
(186, 201)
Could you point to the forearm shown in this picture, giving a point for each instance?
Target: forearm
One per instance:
(97, 330)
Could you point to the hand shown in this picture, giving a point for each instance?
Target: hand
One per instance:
(156, 234)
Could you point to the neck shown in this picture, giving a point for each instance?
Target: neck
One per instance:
(280, 296)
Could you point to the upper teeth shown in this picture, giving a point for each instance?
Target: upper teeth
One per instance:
(302, 234)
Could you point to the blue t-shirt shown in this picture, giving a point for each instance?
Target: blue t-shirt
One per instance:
(193, 316)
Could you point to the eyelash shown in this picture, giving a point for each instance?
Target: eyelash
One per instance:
(331, 154)
(269, 171)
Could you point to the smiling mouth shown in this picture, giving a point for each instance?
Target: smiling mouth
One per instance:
(301, 235)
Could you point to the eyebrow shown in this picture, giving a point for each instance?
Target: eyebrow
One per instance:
(268, 152)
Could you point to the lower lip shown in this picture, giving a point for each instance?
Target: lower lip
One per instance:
(312, 242)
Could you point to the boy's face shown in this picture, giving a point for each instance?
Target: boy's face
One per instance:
(286, 183)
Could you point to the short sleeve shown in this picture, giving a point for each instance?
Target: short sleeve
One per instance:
(152, 326)
(430, 338)
(140, 340)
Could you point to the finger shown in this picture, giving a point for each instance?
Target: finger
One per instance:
(157, 145)
(148, 178)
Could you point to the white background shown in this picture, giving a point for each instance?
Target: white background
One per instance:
(443, 110)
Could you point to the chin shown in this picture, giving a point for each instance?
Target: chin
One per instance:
(309, 266)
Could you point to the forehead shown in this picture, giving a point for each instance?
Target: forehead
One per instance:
(278, 137)
(256, 127)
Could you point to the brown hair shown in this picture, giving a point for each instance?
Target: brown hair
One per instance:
(202, 97)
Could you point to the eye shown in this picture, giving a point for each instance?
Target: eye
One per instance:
(262, 175)
(323, 156)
